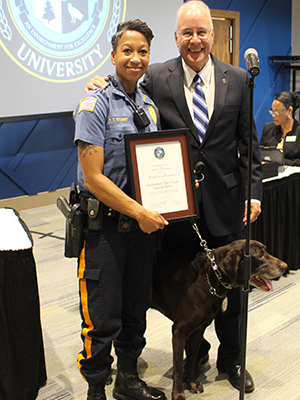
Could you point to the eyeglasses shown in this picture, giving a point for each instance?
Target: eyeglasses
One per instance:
(271, 111)
(202, 33)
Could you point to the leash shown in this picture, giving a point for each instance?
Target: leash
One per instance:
(211, 257)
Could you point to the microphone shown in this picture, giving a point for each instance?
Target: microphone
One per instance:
(252, 61)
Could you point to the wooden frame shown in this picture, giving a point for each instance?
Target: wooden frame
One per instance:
(161, 177)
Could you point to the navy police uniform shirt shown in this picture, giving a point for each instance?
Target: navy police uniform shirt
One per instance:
(103, 118)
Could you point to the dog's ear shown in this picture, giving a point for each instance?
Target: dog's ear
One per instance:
(257, 249)
(230, 258)
(259, 256)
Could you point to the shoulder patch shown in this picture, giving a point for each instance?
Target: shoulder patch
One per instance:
(87, 104)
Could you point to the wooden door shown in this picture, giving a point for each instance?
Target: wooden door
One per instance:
(227, 36)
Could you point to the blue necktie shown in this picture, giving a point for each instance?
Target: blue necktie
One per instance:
(200, 108)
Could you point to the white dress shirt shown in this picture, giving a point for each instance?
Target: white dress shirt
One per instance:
(208, 77)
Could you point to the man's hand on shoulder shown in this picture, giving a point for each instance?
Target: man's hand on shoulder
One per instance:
(95, 83)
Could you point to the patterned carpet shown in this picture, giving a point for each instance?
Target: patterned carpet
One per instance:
(273, 350)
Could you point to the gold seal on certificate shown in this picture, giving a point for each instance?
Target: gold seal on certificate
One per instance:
(160, 171)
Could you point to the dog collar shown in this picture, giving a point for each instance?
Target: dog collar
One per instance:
(215, 268)
(211, 289)
(211, 257)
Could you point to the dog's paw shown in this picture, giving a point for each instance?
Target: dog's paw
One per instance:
(196, 387)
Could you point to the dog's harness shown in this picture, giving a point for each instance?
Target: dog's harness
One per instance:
(211, 257)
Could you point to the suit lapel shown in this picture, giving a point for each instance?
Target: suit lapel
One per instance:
(221, 85)
(175, 82)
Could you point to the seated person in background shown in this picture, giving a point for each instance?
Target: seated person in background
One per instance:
(284, 132)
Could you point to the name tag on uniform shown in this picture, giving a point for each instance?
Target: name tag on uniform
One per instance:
(291, 138)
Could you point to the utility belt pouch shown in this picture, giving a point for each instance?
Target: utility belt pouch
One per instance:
(95, 214)
(124, 223)
(74, 232)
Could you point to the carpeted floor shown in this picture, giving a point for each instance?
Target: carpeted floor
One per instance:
(273, 350)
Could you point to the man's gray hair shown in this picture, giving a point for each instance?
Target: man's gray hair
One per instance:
(190, 3)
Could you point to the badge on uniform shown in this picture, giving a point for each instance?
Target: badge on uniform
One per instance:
(152, 114)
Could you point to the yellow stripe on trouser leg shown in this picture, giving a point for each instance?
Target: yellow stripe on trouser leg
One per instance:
(85, 311)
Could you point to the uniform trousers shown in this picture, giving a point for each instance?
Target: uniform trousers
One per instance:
(115, 287)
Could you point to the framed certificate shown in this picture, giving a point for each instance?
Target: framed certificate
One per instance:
(160, 172)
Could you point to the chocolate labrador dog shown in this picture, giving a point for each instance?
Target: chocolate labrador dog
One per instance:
(190, 293)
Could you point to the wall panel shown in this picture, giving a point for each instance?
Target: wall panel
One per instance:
(37, 156)
(266, 26)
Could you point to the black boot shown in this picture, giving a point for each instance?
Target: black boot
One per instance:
(129, 386)
(96, 391)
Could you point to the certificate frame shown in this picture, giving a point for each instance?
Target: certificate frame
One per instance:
(174, 142)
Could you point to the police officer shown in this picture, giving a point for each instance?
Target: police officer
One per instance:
(115, 265)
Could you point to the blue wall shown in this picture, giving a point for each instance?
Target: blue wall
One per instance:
(266, 26)
(38, 156)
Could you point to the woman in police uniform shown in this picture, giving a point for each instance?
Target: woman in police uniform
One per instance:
(115, 266)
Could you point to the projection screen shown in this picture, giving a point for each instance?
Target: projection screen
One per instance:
(49, 49)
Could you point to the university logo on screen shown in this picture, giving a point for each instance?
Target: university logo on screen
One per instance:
(59, 40)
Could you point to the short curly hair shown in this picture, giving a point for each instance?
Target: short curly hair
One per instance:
(131, 25)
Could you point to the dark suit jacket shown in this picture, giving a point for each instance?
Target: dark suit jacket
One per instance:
(271, 136)
(224, 149)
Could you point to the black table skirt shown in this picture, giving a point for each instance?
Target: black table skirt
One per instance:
(22, 360)
(278, 226)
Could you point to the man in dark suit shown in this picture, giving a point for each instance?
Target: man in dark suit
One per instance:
(224, 151)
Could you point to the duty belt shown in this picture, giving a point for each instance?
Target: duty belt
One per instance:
(96, 212)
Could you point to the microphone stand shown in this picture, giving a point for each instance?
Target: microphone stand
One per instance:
(247, 257)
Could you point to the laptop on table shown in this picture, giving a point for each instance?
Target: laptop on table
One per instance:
(271, 155)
